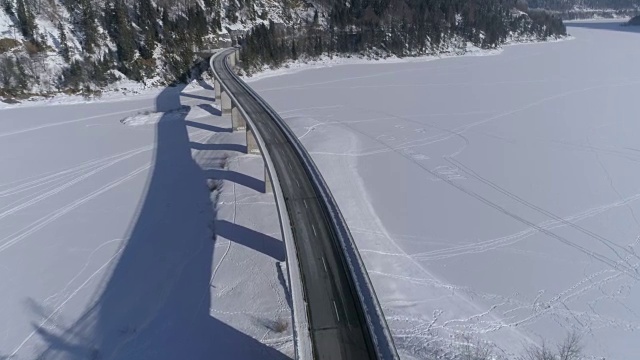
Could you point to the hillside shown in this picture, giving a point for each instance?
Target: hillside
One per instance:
(586, 4)
(91, 45)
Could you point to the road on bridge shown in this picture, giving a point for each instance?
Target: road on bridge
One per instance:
(335, 326)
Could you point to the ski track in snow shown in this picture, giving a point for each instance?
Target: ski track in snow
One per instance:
(19, 235)
(447, 178)
(63, 303)
(49, 184)
(49, 125)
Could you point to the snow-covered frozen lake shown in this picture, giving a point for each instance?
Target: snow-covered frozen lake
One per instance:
(113, 247)
(496, 196)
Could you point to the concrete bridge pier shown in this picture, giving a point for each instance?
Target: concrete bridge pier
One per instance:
(232, 58)
(216, 87)
(252, 144)
(268, 186)
(225, 103)
(238, 122)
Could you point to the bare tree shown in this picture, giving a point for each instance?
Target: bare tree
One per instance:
(569, 349)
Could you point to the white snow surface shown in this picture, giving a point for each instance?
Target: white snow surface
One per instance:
(495, 197)
(380, 57)
(137, 242)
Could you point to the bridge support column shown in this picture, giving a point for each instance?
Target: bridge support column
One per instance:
(238, 122)
(225, 103)
(268, 186)
(252, 144)
(232, 59)
(216, 87)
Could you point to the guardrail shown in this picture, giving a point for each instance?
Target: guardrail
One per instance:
(301, 336)
(370, 310)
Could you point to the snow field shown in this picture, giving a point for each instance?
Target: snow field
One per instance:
(491, 197)
(113, 243)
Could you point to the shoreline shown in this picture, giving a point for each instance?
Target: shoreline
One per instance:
(325, 61)
(133, 91)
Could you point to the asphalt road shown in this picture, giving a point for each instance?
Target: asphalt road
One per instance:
(335, 327)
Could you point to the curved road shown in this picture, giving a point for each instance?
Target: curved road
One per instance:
(332, 305)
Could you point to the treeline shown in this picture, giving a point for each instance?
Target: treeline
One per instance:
(140, 39)
(155, 39)
(564, 5)
(398, 27)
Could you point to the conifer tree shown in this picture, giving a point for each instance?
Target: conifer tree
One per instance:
(147, 15)
(27, 20)
(88, 26)
(121, 32)
(64, 46)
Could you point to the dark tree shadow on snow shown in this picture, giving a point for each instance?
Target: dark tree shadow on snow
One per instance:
(154, 303)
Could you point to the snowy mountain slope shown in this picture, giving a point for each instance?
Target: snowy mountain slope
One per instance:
(89, 46)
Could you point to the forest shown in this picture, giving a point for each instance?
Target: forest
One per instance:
(591, 4)
(400, 28)
(85, 45)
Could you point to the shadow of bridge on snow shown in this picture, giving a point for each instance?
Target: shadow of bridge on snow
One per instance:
(156, 302)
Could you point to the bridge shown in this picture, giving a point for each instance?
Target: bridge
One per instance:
(336, 314)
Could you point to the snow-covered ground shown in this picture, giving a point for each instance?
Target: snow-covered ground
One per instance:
(490, 196)
(115, 245)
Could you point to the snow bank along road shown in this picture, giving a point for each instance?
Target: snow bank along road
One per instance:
(337, 325)
(495, 197)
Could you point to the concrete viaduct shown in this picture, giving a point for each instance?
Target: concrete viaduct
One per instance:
(238, 122)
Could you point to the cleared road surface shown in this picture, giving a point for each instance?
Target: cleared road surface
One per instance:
(333, 308)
